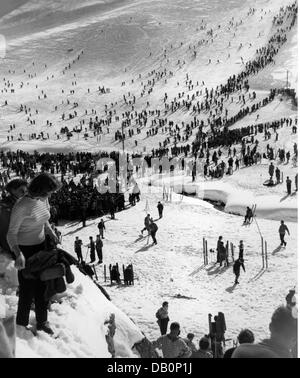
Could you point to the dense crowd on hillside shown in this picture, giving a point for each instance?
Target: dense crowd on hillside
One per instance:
(55, 186)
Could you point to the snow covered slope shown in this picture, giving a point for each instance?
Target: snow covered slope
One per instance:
(79, 318)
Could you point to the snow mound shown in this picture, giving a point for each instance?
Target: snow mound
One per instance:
(235, 198)
(79, 318)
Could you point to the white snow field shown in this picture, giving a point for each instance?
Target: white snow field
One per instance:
(123, 41)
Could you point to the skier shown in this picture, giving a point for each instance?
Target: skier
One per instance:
(91, 247)
(160, 208)
(281, 231)
(77, 249)
(101, 227)
(237, 268)
(99, 245)
(163, 318)
(289, 185)
(153, 230)
(146, 223)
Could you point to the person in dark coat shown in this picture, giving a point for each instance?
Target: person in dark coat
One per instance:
(78, 249)
(160, 208)
(248, 215)
(153, 230)
(101, 227)
(282, 229)
(289, 185)
(271, 170)
(219, 244)
(99, 245)
(277, 174)
(92, 248)
(241, 250)
(237, 269)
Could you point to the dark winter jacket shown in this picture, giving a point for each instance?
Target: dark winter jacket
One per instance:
(153, 228)
(237, 267)
(282, 229)
(160, 207)
(42, 261)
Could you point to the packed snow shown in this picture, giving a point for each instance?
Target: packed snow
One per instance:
(117, 38)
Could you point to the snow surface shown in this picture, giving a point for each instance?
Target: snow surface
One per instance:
(78, 319)
(44, 32)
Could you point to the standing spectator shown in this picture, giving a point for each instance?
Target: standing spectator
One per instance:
(271, 170)
(91, 247)
(172, 345)
(282, 229)
(296, 182)
(283, 328)
(237, 269)
(83, 210)
(245, 336)
(219, 248)
(162, 315)
(222, 253)
(160, 208)
(101, 227)
(78, 249)
(153, 230)
(277, 174)
(29, 224)
(189, 342)
(241, 250)
(289, 185)
(204, 349)
(99, 245)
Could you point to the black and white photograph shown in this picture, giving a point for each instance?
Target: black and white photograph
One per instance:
(148, 181)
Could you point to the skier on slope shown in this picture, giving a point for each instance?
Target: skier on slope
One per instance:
(146, 223)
